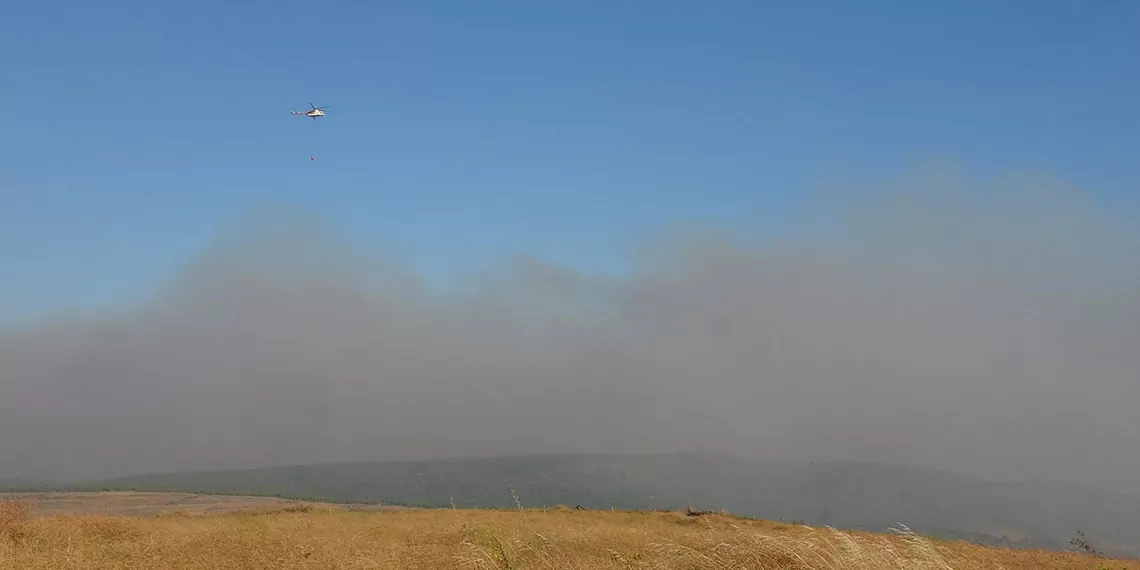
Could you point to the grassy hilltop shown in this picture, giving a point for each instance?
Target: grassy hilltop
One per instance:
(318, 538)
(863, 496)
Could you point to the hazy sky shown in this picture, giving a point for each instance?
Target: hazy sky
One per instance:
(840, 298)
(982, 325)
(562, 129)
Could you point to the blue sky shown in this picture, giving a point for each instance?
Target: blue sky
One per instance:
(461, 133)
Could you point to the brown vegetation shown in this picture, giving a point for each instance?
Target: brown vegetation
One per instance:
(319, 537)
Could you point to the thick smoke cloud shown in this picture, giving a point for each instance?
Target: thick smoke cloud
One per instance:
(988, 327)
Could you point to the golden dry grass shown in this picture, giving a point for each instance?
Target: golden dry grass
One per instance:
(520, 539)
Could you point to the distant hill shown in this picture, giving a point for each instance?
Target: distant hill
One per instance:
(847, 495)
(18, 484)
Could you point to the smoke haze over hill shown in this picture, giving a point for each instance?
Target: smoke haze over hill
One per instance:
(990, 327)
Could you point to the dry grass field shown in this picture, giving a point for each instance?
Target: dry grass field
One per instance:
(151, 504)
(332, 537)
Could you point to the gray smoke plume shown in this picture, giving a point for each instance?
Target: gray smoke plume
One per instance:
(986, 327)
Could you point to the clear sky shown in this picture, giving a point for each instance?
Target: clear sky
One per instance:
(463, 132)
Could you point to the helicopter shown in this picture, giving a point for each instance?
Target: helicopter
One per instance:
(314, 112)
